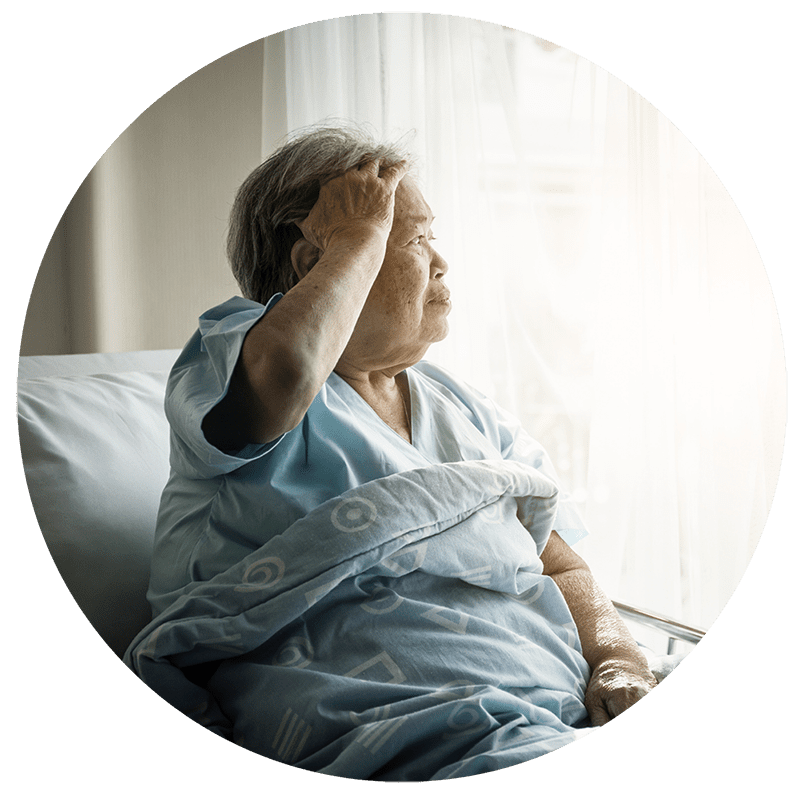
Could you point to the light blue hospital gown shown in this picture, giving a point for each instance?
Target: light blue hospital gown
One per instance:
(518, 692)
(341, 443)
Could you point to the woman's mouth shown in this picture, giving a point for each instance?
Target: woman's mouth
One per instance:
(442, 297)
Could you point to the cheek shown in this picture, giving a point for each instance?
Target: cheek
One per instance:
(401, 288)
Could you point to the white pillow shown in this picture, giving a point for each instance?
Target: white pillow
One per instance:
(95, 450)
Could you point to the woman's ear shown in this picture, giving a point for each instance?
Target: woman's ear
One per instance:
(304, 257)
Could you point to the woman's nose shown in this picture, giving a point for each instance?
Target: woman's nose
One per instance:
(439, 266)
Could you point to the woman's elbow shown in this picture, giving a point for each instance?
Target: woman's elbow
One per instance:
(266, 398)
(278, 391)
(558, 558)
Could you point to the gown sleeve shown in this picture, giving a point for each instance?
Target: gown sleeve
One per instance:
(198, 381)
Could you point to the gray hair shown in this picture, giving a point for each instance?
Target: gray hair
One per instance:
(282, 191)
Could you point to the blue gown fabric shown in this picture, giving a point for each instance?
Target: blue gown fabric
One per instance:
(350, 603)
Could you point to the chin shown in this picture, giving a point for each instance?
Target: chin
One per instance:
(442, 332)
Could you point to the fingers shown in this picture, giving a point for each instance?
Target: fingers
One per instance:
(610, 692)
(603, 711)
(604, 707)
(618, 702)
(598, 716)
(371, 167)
(358, 203)
(392, 174)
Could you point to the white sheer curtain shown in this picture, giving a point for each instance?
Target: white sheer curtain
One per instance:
(605, 288)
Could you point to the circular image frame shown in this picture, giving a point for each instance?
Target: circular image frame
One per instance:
(52, 638)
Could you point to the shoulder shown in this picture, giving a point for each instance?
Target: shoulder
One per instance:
(220, 332)
(235, 310)
(199, 380)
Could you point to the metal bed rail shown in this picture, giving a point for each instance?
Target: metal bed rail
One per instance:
(674, 629)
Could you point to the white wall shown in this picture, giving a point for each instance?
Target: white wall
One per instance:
(139, 253)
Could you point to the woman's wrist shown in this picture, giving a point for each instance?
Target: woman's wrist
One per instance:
(356, 237)
(626, 658)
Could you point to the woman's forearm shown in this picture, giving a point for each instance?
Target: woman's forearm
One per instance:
(293, 349)
(288, 355)
(602, 633)
(290, 352)
(620, 673)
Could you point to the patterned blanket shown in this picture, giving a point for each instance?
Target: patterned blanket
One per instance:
(401, 631)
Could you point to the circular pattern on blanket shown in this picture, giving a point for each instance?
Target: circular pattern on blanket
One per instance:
(499, 481)
(493, 513)
(529, 596)
(354, 514)
(468, 718)
(295, 652)
(262, 574)
(382, 601)
(455, 690)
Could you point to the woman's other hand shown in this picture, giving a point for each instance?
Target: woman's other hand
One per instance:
(620, 673)
(355, 207)
(616, 684)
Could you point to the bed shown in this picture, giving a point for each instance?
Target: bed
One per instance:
(94, 442)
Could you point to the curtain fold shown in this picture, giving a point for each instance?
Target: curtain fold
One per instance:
(605, 288)
(140, 251)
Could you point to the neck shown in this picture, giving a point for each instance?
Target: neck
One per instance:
(375, 381)
(387, 393)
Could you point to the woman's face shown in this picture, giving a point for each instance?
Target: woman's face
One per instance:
(407, 307)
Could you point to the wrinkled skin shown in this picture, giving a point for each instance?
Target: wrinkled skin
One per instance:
(615, 686)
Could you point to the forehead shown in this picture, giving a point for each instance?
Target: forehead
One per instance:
(410, 207)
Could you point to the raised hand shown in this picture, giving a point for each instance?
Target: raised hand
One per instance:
(355, 207)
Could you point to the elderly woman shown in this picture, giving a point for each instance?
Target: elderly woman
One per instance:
(360, 565)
